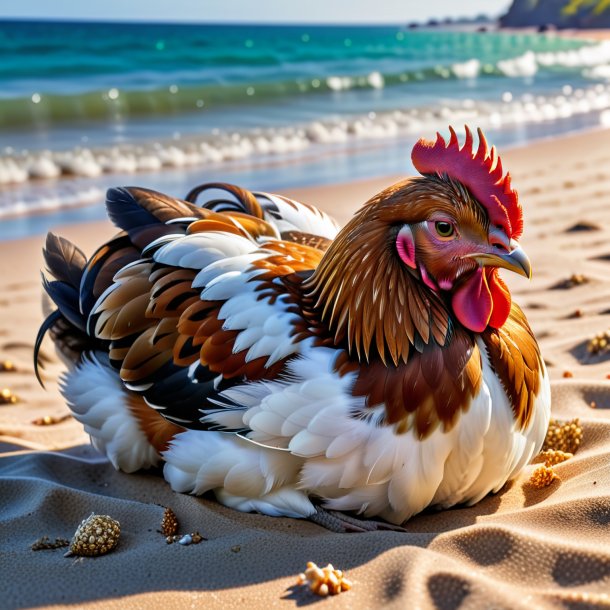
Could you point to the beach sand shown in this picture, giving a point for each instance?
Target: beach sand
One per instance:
(521, 548)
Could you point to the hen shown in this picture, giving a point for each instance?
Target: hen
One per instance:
(265, 354)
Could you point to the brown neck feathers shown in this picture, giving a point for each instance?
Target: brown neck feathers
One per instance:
(364, 295)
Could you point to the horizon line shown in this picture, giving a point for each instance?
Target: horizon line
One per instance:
(152, 21)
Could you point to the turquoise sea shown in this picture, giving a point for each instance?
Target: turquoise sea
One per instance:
(84, 106)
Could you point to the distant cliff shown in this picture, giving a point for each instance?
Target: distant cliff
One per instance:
(560, 13)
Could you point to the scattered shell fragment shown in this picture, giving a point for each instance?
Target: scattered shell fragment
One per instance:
(7, 397)
(44, 544)
(563, 436)
(551, 457)
(169, 524)
(96, 535)
(7, 366)
(576, 279)
(324, 581)
(600, 344)
(50, 420)
(194, 538)
(543, 477)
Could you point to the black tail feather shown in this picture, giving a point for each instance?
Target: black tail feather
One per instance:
(65, 297)
(42, 331)
(237, 199)
(65, 262)
(125, 211)
(143, 214)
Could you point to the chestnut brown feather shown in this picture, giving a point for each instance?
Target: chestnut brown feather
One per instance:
(246, 199)
(158, 430)
(163, 207)
(366, 295)
(123, 311)
(515, 357)
(200, 328)
(428, 391)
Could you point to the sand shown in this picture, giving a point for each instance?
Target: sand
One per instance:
(521, 548)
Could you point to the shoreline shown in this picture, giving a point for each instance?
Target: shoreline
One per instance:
(75, 199)
(97, 193)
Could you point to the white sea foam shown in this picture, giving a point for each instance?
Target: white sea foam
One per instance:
(376, 80)
(339, 83)
(601, 72)
(592, 55)
(42, 167)
(11, 172)
(224, 147)
(524, 65)
(467, 69)
(62, 198)
(592, 59)
(80, 162)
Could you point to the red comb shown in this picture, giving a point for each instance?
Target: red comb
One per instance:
(480, 172)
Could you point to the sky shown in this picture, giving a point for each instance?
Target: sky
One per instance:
(267, 11)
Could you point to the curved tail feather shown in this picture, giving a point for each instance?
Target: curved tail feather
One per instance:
(66, 263)
(42, 331)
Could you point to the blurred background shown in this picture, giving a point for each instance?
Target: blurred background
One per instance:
(272, 95)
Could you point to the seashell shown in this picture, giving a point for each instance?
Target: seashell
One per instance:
(50, 420)
(7, 366)
(194, 538)
(169, 524)
(96, 535)
(7, 397)
(565, 436)
(599, 344)
(551, 457)
(324, 581)
(543, 477)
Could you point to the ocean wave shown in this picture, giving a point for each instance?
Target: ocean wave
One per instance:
(74, 196)
(601, 72)
(119, 104)
(584, 57)
(260, 144)
(585, 60)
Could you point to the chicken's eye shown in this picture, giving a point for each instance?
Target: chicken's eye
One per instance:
(444, 229)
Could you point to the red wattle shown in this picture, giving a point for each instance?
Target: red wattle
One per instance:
(500, 297)
(472, 302)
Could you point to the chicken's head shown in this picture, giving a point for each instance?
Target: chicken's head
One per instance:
(469, 232)
(437, 238)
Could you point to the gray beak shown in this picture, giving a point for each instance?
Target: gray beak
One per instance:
(516, 260)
